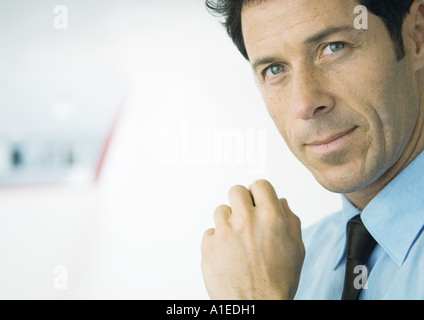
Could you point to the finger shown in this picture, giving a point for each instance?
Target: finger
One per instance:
(208, 233)
(241, 199)
(207, 238)
(221, 215)
(264, 195)
(293, 220)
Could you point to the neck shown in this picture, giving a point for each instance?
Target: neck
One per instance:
(362, 197)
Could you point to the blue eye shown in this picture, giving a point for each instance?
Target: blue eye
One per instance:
(276, 69)
(333, 47)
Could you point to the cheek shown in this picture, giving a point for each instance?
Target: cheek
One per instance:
(279, 114)
(376, 91)
(274, 107)
(283, 120)
(395, 110)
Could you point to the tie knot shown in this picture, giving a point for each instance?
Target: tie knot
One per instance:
(360, 243)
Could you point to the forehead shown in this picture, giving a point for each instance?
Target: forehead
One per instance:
(275, 21)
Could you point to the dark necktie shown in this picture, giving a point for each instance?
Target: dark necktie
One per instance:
(360, 244)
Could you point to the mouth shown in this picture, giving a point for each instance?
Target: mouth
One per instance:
(332, 143)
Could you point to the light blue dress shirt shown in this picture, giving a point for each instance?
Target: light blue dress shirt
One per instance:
(395, 218)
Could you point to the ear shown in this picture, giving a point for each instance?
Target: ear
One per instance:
(414, 31)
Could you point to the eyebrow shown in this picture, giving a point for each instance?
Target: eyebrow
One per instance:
(320, 36)
(328, 32)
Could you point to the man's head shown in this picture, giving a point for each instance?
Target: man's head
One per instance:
(346, 101)
(392, 13)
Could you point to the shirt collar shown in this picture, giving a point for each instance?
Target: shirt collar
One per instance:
(395, 216)
(348, 212)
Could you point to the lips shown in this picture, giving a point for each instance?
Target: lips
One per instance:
(331, 143)
(332, 138)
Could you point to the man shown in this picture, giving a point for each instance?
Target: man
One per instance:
(348, 102)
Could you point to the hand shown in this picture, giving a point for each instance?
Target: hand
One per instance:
(256, 251)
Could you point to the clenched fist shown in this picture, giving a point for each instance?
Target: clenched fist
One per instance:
(256, 250)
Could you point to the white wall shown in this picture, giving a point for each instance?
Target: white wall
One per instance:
(137, 233)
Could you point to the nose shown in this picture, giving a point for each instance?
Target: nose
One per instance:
(309, 99)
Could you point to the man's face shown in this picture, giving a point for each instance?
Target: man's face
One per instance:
(343, 103)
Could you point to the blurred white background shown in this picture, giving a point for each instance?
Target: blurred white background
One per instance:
(189, 124)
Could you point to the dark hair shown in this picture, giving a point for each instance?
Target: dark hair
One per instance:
(392, 12)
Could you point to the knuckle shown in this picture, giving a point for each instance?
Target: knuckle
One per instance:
(261, 183)
(236, 189)
(290, 215)
(221, 212)
(208, 234)
(207, 240)
(221, 218)
(222, 209)
(298, 221)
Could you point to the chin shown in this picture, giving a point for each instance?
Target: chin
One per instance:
(342, 189)
(344, 182)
